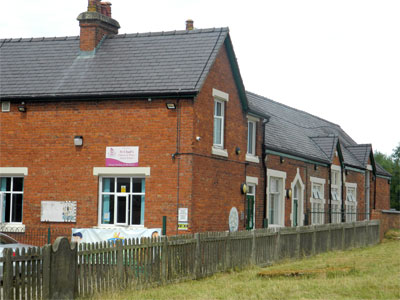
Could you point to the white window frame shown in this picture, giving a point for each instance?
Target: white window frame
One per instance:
(116, 195)
(5, 106)
(296, 180)
(128, 172)
(317, 199)
(336, 198)
(351, 202)
(219, 97)
(253, 181)
(13, 172)
(281, 215)
(251, 155)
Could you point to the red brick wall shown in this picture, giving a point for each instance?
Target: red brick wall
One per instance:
(42, 140)
(359, 179)
(382, 200)
(217, 180)
(388, 220)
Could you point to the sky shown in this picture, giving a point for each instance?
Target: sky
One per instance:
(337, 59)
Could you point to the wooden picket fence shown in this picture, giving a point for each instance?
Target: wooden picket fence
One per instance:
(109, 266)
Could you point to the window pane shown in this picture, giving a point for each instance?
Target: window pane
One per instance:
(137, 185)
(136, 209)
(18, 185)
(121, 209)
(17, 208)
(108, 185)
(218, 109)
(7, 208)
(217, 131)
(5, 184)
(250, 138)
(123, 185)
(107, 215)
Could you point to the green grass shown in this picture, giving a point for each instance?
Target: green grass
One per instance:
(374, 274)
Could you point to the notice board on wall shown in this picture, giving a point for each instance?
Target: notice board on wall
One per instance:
(58, 211)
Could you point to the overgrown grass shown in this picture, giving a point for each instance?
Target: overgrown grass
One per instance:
(375, 274)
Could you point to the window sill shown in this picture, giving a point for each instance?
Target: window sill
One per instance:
(12, 227)
(220, 152)
(252, 158)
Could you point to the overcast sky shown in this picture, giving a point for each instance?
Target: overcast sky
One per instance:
(338, 59)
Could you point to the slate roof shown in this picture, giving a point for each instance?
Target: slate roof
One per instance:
(174, 62)
(299, 133)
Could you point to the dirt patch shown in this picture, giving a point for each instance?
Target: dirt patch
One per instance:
(295, 273)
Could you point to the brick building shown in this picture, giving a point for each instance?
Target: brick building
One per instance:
(133, 127)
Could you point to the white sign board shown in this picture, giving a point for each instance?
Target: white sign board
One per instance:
(58, 211)
(122, 156)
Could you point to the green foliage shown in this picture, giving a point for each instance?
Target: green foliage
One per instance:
(392, 165)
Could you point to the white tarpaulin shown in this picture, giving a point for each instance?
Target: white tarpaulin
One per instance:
(92, 235)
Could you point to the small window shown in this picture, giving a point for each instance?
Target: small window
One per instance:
(219, 109)
(5, 106)
(251, 137)
(11, 199)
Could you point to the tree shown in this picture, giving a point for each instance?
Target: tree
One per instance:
(392, 165)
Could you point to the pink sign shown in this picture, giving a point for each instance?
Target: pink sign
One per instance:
(122, 156)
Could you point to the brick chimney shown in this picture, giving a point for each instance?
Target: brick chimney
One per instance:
(189, 24)
(95, 23)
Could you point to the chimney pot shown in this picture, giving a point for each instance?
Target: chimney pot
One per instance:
(189, 24)
(95, 24)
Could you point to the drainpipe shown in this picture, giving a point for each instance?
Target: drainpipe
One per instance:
(342, 192)
(264, 165)
(178, 141)
(330, 194)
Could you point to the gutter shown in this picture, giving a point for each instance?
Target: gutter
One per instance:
(102, 96)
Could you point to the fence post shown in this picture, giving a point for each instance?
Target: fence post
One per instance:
(49, 235)
(314, 241)
(63, 265)
(343, 237)
(253, 248)
(297, 242)
(197, 257)
(329, 241)
(120, 264)
(8, 288)
(277, 245)
(164, 260)
(228, 258)
(46, 272)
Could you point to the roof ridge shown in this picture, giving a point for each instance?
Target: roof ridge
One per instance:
(296, 109)
(359, 145)
(40, 39)
(324, 136)
(122, 35)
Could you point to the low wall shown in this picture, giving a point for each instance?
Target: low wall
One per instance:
(390, 219)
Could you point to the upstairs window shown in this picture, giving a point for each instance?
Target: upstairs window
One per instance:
(11, 199)
(251, 137)
(219, 115)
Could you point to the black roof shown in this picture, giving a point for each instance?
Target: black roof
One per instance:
(296, 132)
(174, 62)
